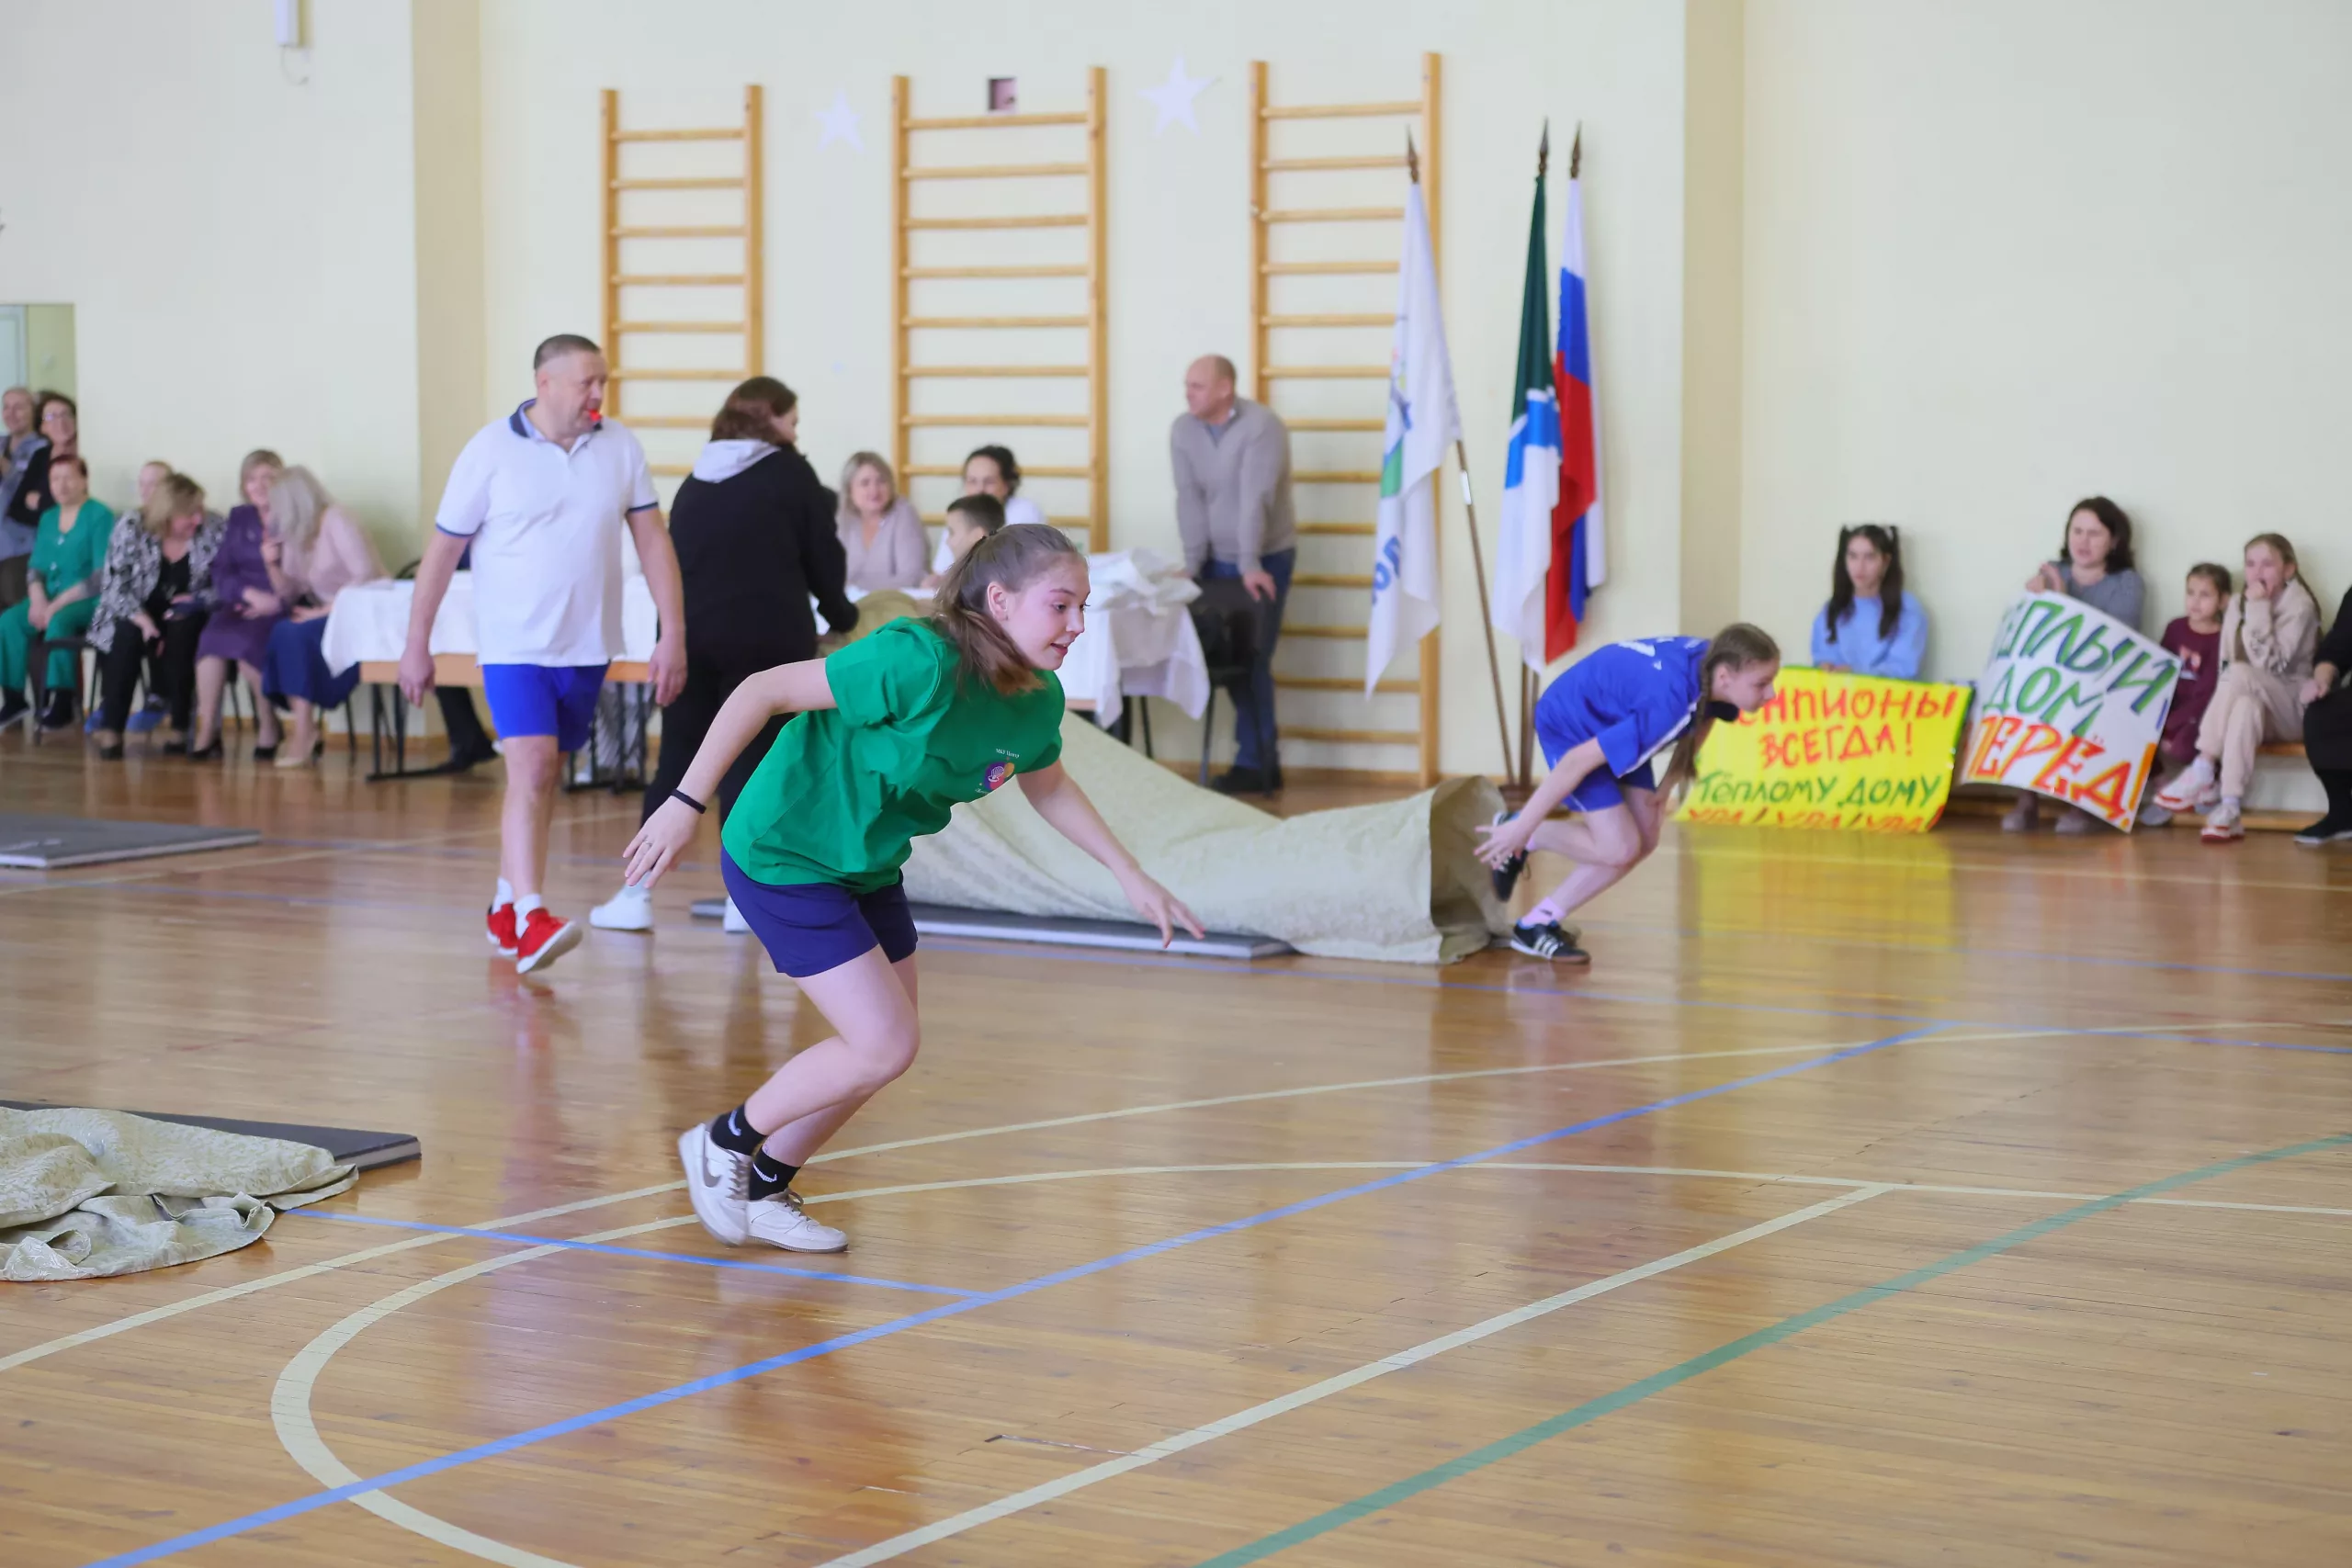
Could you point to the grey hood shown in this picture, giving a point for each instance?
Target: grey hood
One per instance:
(722, 460)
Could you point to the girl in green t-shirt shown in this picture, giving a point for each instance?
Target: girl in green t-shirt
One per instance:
(893, 730)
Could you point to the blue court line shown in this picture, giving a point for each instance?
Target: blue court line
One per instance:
(280, 1513)
(638, 1252)
(1658, 1383)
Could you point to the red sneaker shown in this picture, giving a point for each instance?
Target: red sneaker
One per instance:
(545, 939)
(501, 930)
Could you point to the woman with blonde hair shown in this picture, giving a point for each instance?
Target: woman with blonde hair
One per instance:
(881, 533)
(149, 613)
(245, 602)
(319, 551)
(2269, 638)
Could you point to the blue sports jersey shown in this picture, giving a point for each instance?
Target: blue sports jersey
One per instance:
(1634, 697)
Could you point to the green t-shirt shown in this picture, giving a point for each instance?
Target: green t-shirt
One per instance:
(843, 793)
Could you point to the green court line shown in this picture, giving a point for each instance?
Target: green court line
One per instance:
(1658, 1383)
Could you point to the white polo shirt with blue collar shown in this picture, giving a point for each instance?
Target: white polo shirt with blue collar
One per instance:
(546, 522)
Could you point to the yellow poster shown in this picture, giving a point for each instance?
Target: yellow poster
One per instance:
(1833, 751)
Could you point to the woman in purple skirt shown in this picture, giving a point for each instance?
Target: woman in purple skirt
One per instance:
(245, 604)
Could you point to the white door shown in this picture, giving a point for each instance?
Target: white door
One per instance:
(12, 346)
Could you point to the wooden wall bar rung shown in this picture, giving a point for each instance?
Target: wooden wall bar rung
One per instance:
(1327, 372)
(1328, 269)
(681, 232)
(1332, 579)
(1335, 477)
(1028, 470)
(1348, 530)
(996, 171)
(1335, 318)
(680, 280)
(666, 470)
(714, 182)
(677, 327)
(1344, 683)
(980, 372)
(1339, 111)
(1343, 633)
(669, 422)
(935, 518)
(1036, 271)
(1335, 215)
(981, 421)
(1349, 737)
(993, 121)
(1337, 425)
(995, 322)
(1376, 160)
(717, 133)
(1032, 221)
(727, 373)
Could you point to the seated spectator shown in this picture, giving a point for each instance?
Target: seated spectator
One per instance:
(149, 612)
(2327, 729)
(2194, 639)
(245, 603)
(2269, 636)
(319, 551)
(24, 489)
(60, 594)
(1871, 626)
(881, 534)
(2095, 566)
(989, 470)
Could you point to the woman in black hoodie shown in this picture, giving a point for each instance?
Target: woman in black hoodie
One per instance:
(753, 528)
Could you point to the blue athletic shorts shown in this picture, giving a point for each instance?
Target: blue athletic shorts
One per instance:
(1601, 788)
(812, 927)
(544, 699)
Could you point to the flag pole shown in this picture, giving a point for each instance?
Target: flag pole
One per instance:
(1478, 554)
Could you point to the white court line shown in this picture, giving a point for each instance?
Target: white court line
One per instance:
(213, 1297)
(1003, 1508)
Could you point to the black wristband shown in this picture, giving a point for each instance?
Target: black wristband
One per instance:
(699, 808)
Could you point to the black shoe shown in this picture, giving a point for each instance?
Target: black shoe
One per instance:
(459, 761)
(13, 707)
(1549, 939)
(265, 753)
(1239, 781)
(2326, 831)
(1506, 875)
(57, 713)
(205, 753)
(111, 753)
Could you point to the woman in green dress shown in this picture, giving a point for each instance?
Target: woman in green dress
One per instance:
(62, 583)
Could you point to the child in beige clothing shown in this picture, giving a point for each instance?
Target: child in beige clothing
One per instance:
(2269, 635)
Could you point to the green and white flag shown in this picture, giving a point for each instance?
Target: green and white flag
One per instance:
(1422, 422)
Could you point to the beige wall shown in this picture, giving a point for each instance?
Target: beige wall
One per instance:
(2006, 254)
(1179, 237)
(239, 248)
(50, 363)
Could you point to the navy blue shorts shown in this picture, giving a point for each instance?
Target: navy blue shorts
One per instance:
(810, 927)
(1601, 788)
(544, 699)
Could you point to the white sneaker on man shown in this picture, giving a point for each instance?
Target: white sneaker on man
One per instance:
(733, 922)
(630, 909)
(779, 1222)
(719, 1184)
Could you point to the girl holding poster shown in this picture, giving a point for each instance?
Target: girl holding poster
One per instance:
(2095, 567)
(1601, 725)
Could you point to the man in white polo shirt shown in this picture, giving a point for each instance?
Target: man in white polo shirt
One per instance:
(541, 496)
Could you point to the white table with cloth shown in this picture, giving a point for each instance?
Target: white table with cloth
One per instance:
(1139, 641)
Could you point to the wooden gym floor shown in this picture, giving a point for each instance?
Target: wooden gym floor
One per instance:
(1940, 1200)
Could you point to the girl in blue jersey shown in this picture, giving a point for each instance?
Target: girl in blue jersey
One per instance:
(1601, 724)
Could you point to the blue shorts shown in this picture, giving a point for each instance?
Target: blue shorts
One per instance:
(810, 927)
(1601, 788)
(544, 699)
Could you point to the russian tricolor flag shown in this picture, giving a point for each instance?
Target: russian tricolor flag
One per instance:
(1580, 558)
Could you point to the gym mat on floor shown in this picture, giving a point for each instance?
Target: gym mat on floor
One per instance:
(51, 843)
(349, 1146)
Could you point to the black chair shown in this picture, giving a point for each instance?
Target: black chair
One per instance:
(1232, 625)
(37, 671)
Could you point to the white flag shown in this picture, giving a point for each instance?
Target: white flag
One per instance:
(1422, 422)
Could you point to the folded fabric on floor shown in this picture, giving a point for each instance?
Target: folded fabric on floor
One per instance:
(1397, 882)
(85, 1194)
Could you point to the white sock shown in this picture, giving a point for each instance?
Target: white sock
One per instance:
(526, 904)
(1546, 912)
(505, 895)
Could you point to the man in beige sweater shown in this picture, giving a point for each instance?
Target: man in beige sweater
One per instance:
(1231, 458)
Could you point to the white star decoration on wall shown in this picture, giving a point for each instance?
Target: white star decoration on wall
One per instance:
(1174, 98)
(839, 123)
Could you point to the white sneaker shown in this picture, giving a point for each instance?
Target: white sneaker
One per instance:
(719, 1182)
(733, 922)
(630, 909)
(2196, 789)
(779, 1222)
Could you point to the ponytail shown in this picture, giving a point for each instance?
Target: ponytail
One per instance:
(1016, 556)
(1736, 646)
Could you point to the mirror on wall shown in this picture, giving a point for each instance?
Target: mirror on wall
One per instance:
(37, 348)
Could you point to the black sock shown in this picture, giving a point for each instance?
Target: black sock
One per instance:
(733, 1133)
(770, 1175)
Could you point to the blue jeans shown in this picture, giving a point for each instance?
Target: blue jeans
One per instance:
(1253, 707)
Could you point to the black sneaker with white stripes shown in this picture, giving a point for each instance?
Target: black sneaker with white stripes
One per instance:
(1548, 940)
(2326, 831)
(1506, 875)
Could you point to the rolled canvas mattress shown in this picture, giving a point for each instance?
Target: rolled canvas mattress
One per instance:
(1396, 882)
